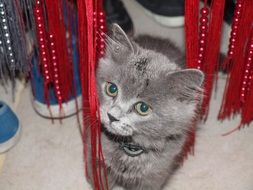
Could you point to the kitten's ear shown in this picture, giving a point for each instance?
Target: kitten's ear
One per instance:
(120, 37)
(186, 84)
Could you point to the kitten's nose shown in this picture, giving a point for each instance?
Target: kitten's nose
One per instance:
(112, 118)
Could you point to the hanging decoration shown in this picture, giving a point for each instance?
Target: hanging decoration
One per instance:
(54, 44)
(202, 25)
(194, 54)
(204, 55)
(247, 85)
(238, 93)
(13, 44)
(91, 28)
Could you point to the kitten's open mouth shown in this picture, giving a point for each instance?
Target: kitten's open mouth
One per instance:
(114, 137)
(125, 143)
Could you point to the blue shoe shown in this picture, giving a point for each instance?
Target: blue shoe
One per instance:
(9, 128)
(70, 107)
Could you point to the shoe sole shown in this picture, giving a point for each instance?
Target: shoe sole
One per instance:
(175, 21)
(68, 109)
(178, 21)
(4, 147)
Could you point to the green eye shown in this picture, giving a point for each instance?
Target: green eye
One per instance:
(111, 89)
(142, 108)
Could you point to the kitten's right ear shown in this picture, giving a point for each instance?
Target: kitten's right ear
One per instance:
(186, 84)
(120, 36)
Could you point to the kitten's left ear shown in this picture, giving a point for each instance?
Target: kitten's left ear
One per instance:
(186, 84)
(120, 36)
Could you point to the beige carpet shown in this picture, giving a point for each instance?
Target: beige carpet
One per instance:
(49, 156)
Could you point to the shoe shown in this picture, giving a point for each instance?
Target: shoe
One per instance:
(169, 13)
(229, 11)
(228, 17)
(9, 128)
(116, 13)
(70, 107)
(39, 104)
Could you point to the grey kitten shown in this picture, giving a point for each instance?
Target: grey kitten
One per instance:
(147, 103)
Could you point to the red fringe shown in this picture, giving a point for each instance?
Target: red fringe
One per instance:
(38, 13)
(188, 147)
(232, 103)
(247, 110)
(211, 55)
(87, 56)
(191, 32)
(83, 67)
(55, 61)
(191, 48)
(212, 51)
(57, 28)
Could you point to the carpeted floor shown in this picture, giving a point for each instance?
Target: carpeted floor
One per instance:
(49, 156)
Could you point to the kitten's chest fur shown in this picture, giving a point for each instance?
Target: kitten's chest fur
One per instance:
(137, 173)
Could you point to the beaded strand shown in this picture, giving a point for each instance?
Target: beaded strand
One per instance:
(99, 21)
(248, 73)
(6, 42)
(42, 41)
(203, 31)
(55, 69)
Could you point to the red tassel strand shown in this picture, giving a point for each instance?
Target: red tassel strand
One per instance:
(247, 111)
(82, 48)
(232, 101)
(91, 22)
(188, 147)
(203, 31)
(202, 55)
(192, 50)
(55, 69)
(191, 32)
(247, 89)
(233, 34)
(212, 51)
(248, 71)
(42, 45)
(57, 29)
(54, 50)
(100, 44)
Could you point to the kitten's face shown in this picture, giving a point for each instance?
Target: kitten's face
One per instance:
(142, 94)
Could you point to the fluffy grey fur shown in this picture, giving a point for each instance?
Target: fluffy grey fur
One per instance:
(149, 70)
